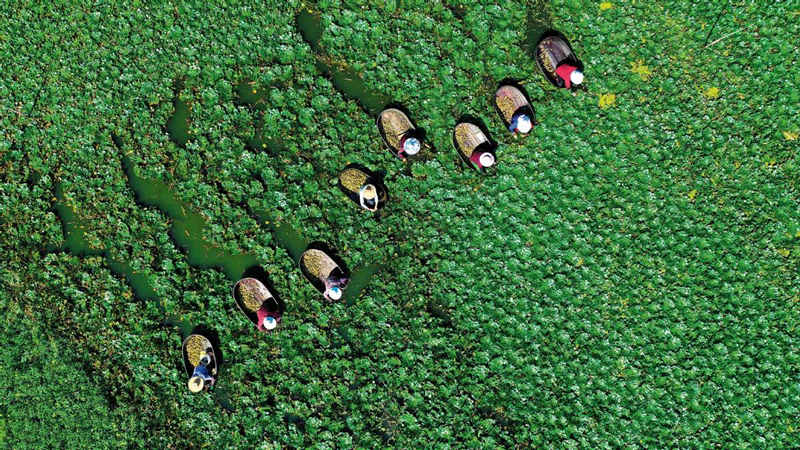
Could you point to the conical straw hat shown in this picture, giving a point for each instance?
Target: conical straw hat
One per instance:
(196, 384)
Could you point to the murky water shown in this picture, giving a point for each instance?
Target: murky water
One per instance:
(539, 20)
(359, 279)
(344, 78)
(290, 240)
(187, 227)
(178, 124)
(247, 93)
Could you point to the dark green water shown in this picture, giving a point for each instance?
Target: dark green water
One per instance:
(75, 242)
(310, 26)
(344, 78)
(187, 226)
(359, 279)
(539, 20)
(178, 124)
(248, 94)
(290, 240)
(74, 237)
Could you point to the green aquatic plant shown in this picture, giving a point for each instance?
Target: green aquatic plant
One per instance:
(626, 276)
(187, 227)
(344, 78)
(75, 242)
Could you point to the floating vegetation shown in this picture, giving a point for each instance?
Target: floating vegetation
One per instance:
(75, 242)
(344, 78)
(187, 226)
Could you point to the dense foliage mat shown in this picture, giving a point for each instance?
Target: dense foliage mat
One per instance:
(626, 275)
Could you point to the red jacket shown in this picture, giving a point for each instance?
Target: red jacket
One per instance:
(564, 71)
(476, 158)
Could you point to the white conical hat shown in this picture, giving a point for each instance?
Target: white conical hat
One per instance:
(335, 293)
(411, 146)
(576, 77)
(487, 159)
(369, 192)
(196, 384)
(524, 124)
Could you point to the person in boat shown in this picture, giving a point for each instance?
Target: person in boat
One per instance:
(558, 62)
(267, 319)
(257, 303)
(335, 284)
(473, 145)
(569, 74)
(482, 159)
(201, 378)
(368, 197)
(398, 133)
(409, 146)
(324, 273)
(515, 109)
(362, 186)
(521, 123)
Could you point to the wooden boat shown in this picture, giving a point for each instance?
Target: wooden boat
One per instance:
(195, 346)
(399, 135)
(250, 294)
(355, 181)
(553, 50)
(317, 266)
(510, 101)
(474, 147)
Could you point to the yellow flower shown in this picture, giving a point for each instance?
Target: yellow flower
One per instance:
(692, 194)
(605, 5)
(643, 71)
(607, 100)
(712, 92)
(790, 135)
